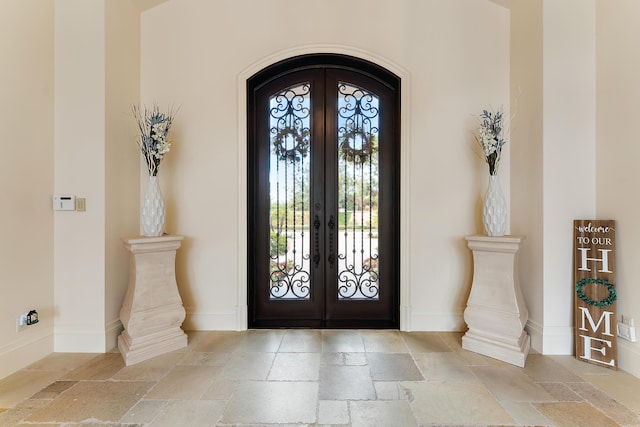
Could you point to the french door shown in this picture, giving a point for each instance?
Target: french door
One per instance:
(323, 189)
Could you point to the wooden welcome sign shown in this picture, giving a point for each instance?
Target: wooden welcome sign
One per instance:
(595, 292)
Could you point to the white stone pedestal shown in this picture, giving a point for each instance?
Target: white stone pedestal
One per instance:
(152, 311)
(496, 314)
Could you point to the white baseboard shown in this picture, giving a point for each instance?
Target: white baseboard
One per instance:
(29, 347)
(629, 357)
(558, 340)
(223, 320)
(242, 317)
(79, 339)
(113, 330)
(534, 329)
(405, 318)
(87, 339)
(550, 339)
(434, 321)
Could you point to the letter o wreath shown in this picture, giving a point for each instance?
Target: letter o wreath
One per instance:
(602, 303)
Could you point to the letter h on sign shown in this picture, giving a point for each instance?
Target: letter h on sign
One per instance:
(604, 260)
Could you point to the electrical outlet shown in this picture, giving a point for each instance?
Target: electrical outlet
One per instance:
(627, 330)
(26, 319)
(21, 323)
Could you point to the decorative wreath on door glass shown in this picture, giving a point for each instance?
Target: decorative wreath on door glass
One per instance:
(352, 154)
(300, 148)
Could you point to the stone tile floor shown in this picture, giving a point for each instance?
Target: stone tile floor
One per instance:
(317, 378)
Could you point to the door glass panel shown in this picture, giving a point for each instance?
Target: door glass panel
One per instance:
(358, 122)
(289, 165)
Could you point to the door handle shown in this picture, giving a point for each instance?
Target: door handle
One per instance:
(316, 245)
(331, 226)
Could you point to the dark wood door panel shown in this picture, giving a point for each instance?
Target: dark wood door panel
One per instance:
(323, 160)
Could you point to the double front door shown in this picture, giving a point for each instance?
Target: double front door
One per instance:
(323, 188)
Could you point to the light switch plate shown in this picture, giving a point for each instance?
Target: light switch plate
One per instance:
(81, 204)
(64, 203)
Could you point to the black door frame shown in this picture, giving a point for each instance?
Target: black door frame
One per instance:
(279, 71)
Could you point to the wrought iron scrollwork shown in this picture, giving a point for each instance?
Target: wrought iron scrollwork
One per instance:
(289, 279)
(289, 122)
(362, 281)
(357, 135)
(358, 118)
(291, 135)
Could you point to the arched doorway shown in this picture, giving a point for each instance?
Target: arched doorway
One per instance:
(323, 186)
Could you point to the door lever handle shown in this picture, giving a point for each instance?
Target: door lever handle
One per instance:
(331, 224)
(316, 245)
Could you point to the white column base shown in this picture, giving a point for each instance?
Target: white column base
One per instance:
(489, 346)
(152, 311)
(496, 314)
(135, 350)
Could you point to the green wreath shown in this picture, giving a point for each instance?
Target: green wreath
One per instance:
(602, 303)
(352, 154)
(299, 151)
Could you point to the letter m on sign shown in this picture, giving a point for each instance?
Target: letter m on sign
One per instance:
(594, 290)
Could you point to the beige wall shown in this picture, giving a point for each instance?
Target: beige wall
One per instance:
(194, 54)
(588, 80)
(553, 136)
(122, 160)
(569, 107)
(618, 151)
(70, 266)
(526, 154)
(79, 268)
(97, 75)
(26, 175)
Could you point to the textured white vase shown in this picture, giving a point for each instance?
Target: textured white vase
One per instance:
(494, 209)
(152, 211)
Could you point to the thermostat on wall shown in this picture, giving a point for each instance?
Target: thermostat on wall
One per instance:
(64, 203)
